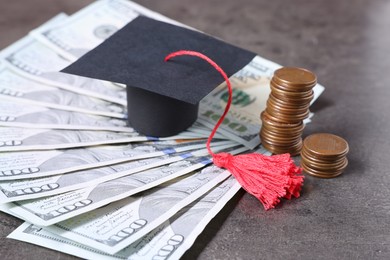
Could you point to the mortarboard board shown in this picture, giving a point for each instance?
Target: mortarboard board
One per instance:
(163, 97)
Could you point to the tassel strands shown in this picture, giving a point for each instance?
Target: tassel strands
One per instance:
(268, 178)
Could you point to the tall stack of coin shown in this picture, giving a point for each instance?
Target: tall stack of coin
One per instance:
(287, 107)
(324, 155)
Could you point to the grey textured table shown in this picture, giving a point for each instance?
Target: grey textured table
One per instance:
(347, 44)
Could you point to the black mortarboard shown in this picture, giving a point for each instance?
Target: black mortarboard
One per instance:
(163, 97)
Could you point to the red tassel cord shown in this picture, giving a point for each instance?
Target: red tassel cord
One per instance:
(268, 178)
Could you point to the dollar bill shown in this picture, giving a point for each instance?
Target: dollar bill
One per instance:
(168, 241)
(89, 27)
(172, 238)
(200, 130)
(6, 209)
(24, 139)
(119, 224)
(16, 88)
(34, 164)
(17, 115)
(53, 209)
(16, 190)
(34, 60)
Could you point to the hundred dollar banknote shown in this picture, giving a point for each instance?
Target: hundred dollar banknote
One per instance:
(36, 61)
(168, 241)
(18, 115)
(119, 224)
(198, 129)
(50, 210)
(201, 130)
(17, 88)
(90, 26)
(16, 190)
(34, 164)
(24, 139)
(5, 208)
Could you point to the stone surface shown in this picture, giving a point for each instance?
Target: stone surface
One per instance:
(347, 45)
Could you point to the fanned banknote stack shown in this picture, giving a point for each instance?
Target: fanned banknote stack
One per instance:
(83, 180)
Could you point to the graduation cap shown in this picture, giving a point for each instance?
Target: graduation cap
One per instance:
(163, 97)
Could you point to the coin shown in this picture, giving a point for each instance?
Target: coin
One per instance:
(278, 118)
(326, 145)
(287, 110)
(290, 89)
(288, 103)
(282, 132)
(295, 76)
(280, 145)
(292, 96)
(286, 118)
(287, 107)
(322, 166)
(319, 159)
(278, 138)
(265, 117)
(322, 174)
(324, 155)
(292, 101)
(279, 149)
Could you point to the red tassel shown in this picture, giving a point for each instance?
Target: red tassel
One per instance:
(268, 178)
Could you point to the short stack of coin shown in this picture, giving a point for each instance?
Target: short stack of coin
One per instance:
(287, 107)
(324, 155)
